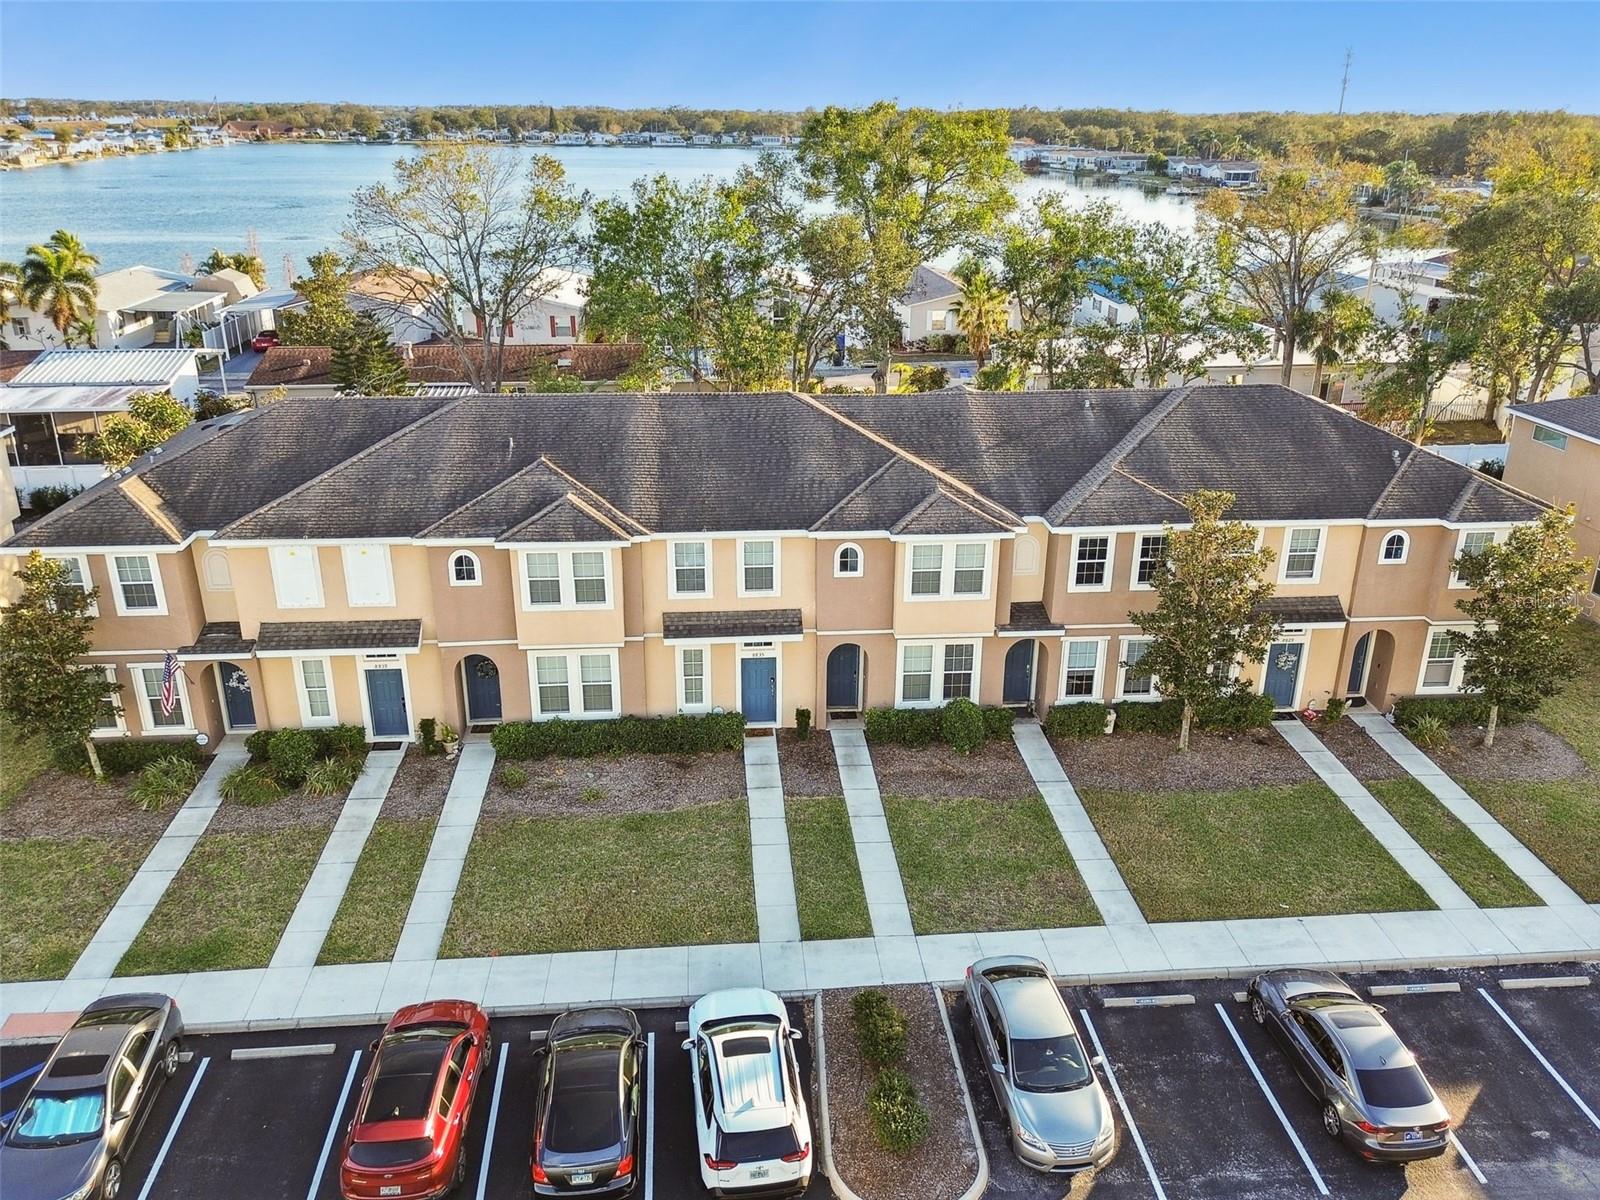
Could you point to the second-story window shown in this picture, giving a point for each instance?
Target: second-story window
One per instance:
(847, 562)
(464, 570)
(138, 585)
(568, 579)
(544, 577)
(759, 570)
(1091, 562)
(927, 563)
(1152, 553)
(691, 575)
(296, 576)
(949, 569)
(1302, 554)
(588, 577)
(1473, 541)
(1394, 548)
(970, 558)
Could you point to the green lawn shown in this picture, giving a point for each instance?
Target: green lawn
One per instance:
(56, 895)
(973, 865)
(21, 758)
(544, 884)
(827, 878)
(1256, 852)
(229, 904)
(1481, 872)
(373, 911)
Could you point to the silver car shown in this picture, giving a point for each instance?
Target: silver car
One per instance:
(1373, 1094)
(1042, 1076)
(74, 1130)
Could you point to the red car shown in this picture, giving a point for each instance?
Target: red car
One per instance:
(265, 340)
(408, 1139)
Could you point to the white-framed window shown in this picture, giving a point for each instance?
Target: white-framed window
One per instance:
(1443, 662)
(1553, 438)
(1152, 553)
(1132, 682)
(465, 569)
(934, 673)
(368, 576)
(590, 575)
(938, 320)
(574, 684)
(110, 720)
(1396, 546)
(758, 568)
(543, 568)
(217, 571)
(1092, 555)
(1082, 669)
(693, 689)
(566, 579)
(296, 576)
(138, 585)
(1302, 555)
(313, 680)
(1025, 555)
(1472, 541)
(147, 685)
(76, 567)
(848, 562)
(688, 569)
(948, 570)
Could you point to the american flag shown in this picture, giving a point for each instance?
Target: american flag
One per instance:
(169, 686)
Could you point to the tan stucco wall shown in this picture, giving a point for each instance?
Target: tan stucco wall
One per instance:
(863, 602)
(940, 617)
(482, 613)
(257, 599)
(1563, 477)
(177, 628)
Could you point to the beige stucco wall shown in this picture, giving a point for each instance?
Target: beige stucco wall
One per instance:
(863, 602)
(477, 614)
(587, 626)
(257, 600)
(1563, 477)
(941, 617)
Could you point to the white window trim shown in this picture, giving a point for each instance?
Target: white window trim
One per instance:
(316, 563)
(861, 561)
(1133, 568)
(575, 684)
(672, 572)
(1122, 673)
(777, 567)
(1102, 646)
(88, 580)
(160, 610)
(936, 683)
(1495, 537)
(947, 570)
(564, 579)
(354, 553)
(1111, 563)
(1405, 548)
(705, 699)
(1457, 672)
(1316, 567)
(1553, 439)
(302, 696)
(121, 716)
(147, 704)
(477, 569)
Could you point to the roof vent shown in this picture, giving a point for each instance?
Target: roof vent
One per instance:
(511, 444)
(405, 351)
(1088, 405)
(1395, 454)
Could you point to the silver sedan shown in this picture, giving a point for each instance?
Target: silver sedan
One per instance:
(1042, 1076)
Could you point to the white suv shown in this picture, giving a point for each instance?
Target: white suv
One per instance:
(750, 1107)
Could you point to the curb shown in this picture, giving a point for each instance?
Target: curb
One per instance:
(981, 1183)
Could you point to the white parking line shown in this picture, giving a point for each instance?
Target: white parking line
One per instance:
(333, 1127)
(1299, 1146)
(1543, 1061)
(494, 1115)
(650, 1117)
(172, 1132)
(1116, 1090)
(1467, 1158)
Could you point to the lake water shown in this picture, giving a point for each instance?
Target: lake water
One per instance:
(293, 197)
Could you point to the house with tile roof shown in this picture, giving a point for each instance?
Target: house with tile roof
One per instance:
(308, 370)
(1553, 452)
(481, 558)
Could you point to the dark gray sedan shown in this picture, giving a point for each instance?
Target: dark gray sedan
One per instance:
(78, 1123)
(1373, 1094)
(586, 1115)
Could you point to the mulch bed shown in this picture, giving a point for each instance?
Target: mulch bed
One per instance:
(419, 787)
(625, 783)
(1527, 753)
(60, 806)
(296, 809)
(1151, 762)
(1362, 756)
(944, 1166)
(808, 767)
(994, 771)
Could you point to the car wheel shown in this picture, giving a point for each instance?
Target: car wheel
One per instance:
(1331, 1125)
(169, 1058)
(111, 1183)
(1258, 1010)
(461, 1172)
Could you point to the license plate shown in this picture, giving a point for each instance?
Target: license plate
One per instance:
(1413, 1135)
(580, 1177)
(389, 1189)
(758, 1172)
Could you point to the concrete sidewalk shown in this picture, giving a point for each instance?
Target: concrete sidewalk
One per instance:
(436, 887)
(880, 869)
(777, 913)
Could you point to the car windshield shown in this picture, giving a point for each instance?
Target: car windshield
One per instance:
(1054, 1064)
(57, 1118)
(1395, 1087)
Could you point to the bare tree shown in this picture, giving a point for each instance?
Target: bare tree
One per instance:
(467, 238)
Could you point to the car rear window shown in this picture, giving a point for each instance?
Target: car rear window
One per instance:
(1394, 1087)
(738, 1047)
(760, 1145)
(390, 1154)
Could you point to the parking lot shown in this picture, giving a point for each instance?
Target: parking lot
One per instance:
(270, 1129)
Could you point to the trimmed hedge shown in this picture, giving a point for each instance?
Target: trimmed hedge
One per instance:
(962, 726)
(880, 1028)
(336, 741)
(1085, 719)
(1162, 716)
(1450, 710)
(899, 1121)
(1242, 710)
(625, 735)
(128, 755)
(924, 726)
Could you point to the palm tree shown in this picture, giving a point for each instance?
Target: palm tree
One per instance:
(57, 280)
(10, 293)
(1336, 330)
(983, 312)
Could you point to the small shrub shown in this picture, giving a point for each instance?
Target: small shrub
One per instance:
(880, 1028)
(902, 726)
(997, 722)
(961, 726)
(1076, 720)
(290, 752)
(802, 723)
(256, 745)
(331, 776)
(341, 741)
(1427, 731)
(1451, 710)
(1241, 709)
(165, 780)
(899, 1121)
(513, 776)
(593, 795)
(1134, 716)
(49, 498)
(251, 785)
(1334, 710)
(428, 728)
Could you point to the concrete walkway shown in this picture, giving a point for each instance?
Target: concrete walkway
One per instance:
(144, 891)
(307, 929)
(1106, 886)
(436, 887)
(777, 914)
(880, 870)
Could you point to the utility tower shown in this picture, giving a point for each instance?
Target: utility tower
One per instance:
(1344, 84)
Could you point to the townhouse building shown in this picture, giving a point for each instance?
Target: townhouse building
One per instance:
(1553, 451)
(485, 558)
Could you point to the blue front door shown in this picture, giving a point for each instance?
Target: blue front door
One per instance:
(1018, 684)
(1283, 672)
(483, 688)
(1358, 666)
(386, 697)
(844, 677)
(236, 695)
(758, 690)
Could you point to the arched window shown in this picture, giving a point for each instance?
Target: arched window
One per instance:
(464, 570)
(1395, 547)
(847, 561)
(1025, 555)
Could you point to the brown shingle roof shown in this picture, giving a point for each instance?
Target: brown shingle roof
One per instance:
(12, 362)
(312, 366)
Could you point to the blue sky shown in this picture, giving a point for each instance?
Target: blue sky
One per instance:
(1193, 57)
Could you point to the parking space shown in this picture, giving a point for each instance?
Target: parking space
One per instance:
(18, 1066)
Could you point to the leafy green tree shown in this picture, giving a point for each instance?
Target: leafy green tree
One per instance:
(1208, 618)
(983, 312)
(10, 293)
(925, 378)
(919, 182)
(326, 292)
(46, 633)
(151, 419)
(244, 262)
(1338, 328)
(57, 280)
(1523, 604)
(365, 362)
(1409, 358)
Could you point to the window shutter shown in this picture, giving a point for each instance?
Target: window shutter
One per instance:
(553, 325)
